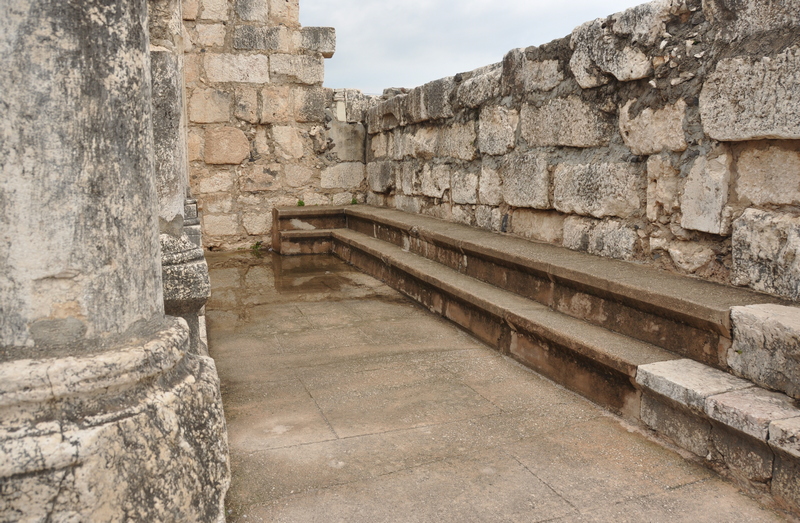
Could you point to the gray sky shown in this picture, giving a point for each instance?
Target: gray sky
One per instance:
(405, 43)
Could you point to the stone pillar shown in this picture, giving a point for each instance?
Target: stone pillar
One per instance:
(185, 272)
(105, 414)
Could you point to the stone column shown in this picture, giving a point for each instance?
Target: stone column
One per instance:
(185, 272)
(105, 415)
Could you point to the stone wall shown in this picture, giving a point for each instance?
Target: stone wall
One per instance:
(668, 134)
(263, 132)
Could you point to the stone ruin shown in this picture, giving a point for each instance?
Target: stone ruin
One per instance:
(666, 135)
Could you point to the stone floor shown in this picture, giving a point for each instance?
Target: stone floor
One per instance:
(346, 402)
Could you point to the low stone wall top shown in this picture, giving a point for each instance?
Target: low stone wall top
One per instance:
(665, 134)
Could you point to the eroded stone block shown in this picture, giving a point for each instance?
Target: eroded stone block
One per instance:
(252, 10)
(435, 180)
(464, 186)
(738, 20)
(210, 106)
(211, 35)
(381, 176)
(766, 252)
(662, 187)
(750, 98)
(246, 107)
(310, 103)
(421, 143)
(220, 225)
(298, 176)
(609, 238)
(437, 98)
(597, 189)
(479, 89)
(751, 410)
(497, 130)
(490, 189)
(768, 175)
(302, 69)
(766, 346)
(276, 104)
(689, 432)
(458, 141)
(226, 145)
(705, 193)
(214, 10)
(348, 141)
(567, 122)
(526, 180)
(651, 131)
(224, 67)
(348, 175)
(751, 458)
(785, 435)
(255, 38)
(318, 39)
(545, 226)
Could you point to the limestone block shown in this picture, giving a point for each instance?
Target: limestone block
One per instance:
(435, 180)
(253, 10)
(310, 103)
(479, 89)
(598, 51)
(319, 40)
(766, 346)
(766, 252)
(413, 106)
(662, 187)
(190, 9)
(288, 142)
(408, 178)
(690, 256)
(195, 145)
(609, 238)
(437, 98)
(420, 143)
(210, 106)
(526, 180)
(215, 181)
(687, 382)
(348, 175)
(785, 435)
(224, 67)
(344, 198)
(348, 140)
(257, 223)
(753, 98)
(689, 432)
(257, 178)
(302, 69)
(382, 145)
(464, 186)
(738, 20)
(490, 186)
(216, 10)
(544, 226)
(568, 122)
(255, 38)
(458, 141)
(219, 203)
(246, 106)
(381, 176)
(225, 145)
(211, 35)
(524, 74)
(386, 115)
(297, 175)
(220, 225)
(768, 175)
(705, 193)
(276, 104)
(752, 459)
(654, 131)
(489, 218)
(286, 12)
(751, 410)
(407, 204)
(497, 130)
(597, 189)
(357, 104)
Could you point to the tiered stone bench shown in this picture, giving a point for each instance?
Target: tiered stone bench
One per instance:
(652, 346)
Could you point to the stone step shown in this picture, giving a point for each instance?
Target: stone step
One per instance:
(593, 361)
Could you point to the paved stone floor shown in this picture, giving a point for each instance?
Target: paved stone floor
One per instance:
(345, 402)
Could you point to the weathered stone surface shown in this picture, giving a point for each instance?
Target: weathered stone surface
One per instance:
(497, 130)
(288, 142)
(223, 67)
(654, 131)
(257, 223)
(382, 145)
(464, 186)
(210, 106)
(705, 193)
(598, 189)
(768, 175)
(310, 103)
(302, 69)
(255, 38)
(738, 20)
(381, 176)
(286, 12)
(260, 178)
(766, 346)
(319, 40)
(348, 140)
(689, 432)
(753, 98)
(662, 188)
(568, 122)
(785, 435)
(752, 459)
(436, 97)
(435, 180)
(490, 188)
(190, 9)
(408, 178)
(690, 256)
(687, 382)
(458, 141)
(220, 225)
(751, 410)
(609, 238)
(522, 73)
(766, 252)
(276, 104)
(298, 175)
(422, 143)
(545, 226)
(246, 104)
(225, 145)
(216, 10)
(526, 180)
(211, 35)
(213, 182)
(348, 175)
(252, 10)
(477, 90)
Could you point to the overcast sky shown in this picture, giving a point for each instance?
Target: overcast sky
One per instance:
(405, 43)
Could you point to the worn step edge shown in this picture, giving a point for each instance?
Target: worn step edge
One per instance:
(696, 302)
(610, 349)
